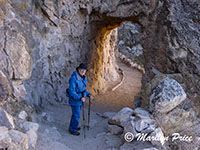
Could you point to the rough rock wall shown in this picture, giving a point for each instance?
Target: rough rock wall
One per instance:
(15, 60)
(42, 44)
(129, 36)
(171, 43)
(38, 49)
(53, 37)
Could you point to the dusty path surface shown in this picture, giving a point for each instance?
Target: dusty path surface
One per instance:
(123, 95)
(54, 121)
(53, 132)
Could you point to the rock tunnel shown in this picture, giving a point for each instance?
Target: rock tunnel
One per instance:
(103, 61)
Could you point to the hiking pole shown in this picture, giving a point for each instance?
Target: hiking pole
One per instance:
(89, 114)
(83, 111)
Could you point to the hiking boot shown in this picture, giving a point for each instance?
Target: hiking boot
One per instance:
(74, 133)
(78, 128)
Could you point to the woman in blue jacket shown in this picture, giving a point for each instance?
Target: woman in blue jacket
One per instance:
(77, 93)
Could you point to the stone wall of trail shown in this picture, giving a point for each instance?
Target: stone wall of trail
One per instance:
(40, 45)
(171, 45)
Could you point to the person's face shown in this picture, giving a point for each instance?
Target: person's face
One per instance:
(82, 71)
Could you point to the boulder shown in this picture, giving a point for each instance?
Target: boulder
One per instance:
(6, 119)
(122, 117)
(167, 95)
(142, 113)
(19, 138)
(141, 125)
(147, 90)
(144, 120)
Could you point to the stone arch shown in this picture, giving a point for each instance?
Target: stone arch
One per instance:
(101, 23)
(165, 52)
(101, 30)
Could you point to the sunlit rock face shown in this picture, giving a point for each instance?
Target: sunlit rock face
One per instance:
(42, 42)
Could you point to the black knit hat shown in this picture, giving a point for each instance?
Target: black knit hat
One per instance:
(82, 66)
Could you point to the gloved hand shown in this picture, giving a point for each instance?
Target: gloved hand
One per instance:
(83, 99)
(91, 97)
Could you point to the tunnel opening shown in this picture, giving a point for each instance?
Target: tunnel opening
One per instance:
(117, 65)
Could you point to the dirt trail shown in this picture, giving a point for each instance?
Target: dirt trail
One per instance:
(123, 95)
(53, 132)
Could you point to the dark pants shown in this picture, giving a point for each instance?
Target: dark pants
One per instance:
(76, 113)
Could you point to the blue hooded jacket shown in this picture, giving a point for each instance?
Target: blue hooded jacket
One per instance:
(77, 86)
